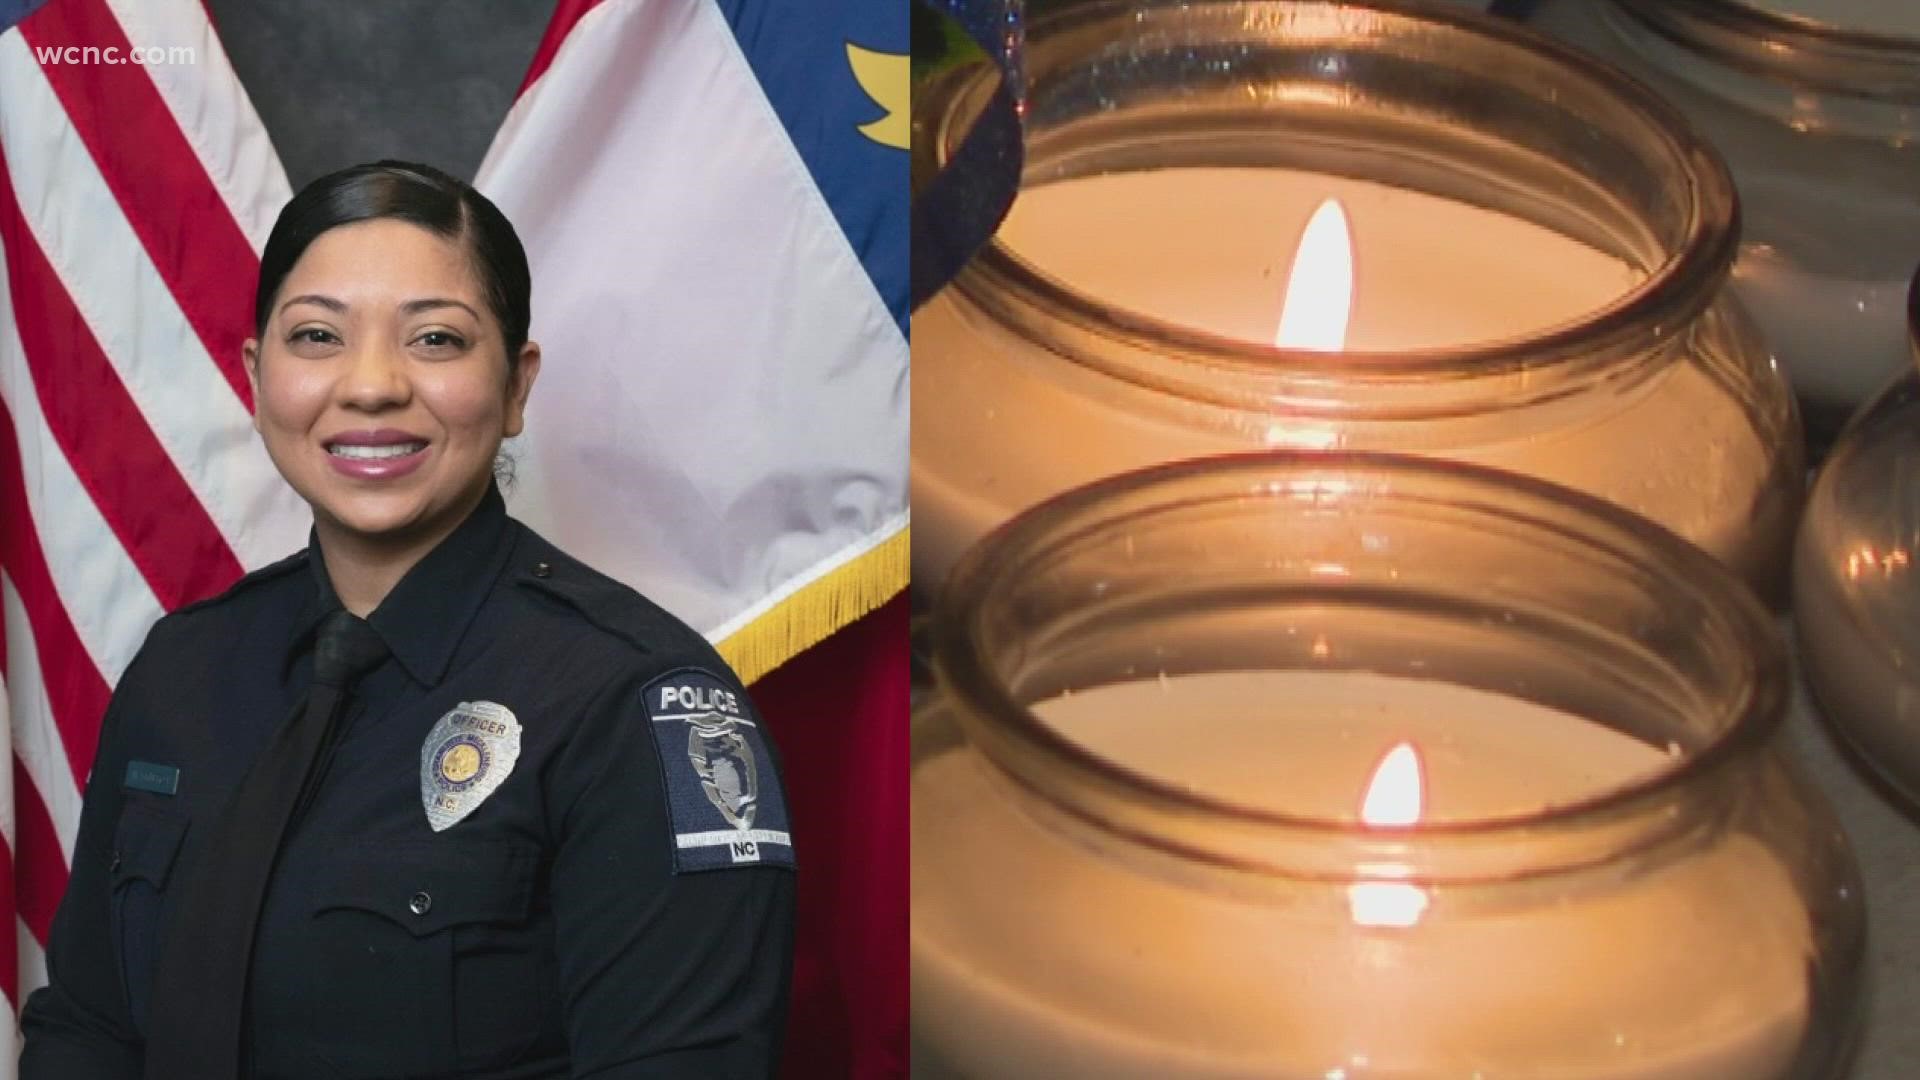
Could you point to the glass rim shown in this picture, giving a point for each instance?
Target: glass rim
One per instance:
(979, 697)
(1793, 48)
(1675, 290)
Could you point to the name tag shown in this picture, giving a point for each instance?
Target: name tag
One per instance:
(146, 776)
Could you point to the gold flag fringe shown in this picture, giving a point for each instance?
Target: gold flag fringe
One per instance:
(819, 608)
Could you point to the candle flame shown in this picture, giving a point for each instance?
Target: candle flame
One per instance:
(1320, 285)
(1395, 796)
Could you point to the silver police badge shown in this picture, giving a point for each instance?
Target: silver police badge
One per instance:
(724, 760)
(467, 755)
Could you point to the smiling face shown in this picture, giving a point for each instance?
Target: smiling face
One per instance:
(381, 385)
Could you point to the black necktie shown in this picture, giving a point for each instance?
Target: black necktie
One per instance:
(200, 981)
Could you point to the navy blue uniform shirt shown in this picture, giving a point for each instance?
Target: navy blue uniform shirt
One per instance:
(619, 905)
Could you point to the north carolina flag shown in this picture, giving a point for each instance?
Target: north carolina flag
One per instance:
(723, 416)
(713, 194)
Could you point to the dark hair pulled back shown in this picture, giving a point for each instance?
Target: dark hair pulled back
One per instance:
(421, 195)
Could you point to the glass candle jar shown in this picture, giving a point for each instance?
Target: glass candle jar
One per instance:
(1539, 254)
(1856, 596)
(1820, 122)
(1312, 765)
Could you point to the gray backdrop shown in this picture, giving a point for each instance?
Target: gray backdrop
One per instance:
(340, 82)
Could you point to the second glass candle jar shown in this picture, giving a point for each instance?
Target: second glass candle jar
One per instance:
(1303, 766)
(1820, 121)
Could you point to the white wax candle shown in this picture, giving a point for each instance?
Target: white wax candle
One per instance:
(1830, 214)
(1211, 247)
(1035, 957)
(1313, 758)
(999, 424)
(1830, 290)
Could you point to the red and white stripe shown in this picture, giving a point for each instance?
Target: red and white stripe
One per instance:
(134, 200)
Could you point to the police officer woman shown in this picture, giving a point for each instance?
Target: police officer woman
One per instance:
(428, 798)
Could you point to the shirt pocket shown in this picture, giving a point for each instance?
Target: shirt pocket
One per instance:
(146, 843)
(430, 958)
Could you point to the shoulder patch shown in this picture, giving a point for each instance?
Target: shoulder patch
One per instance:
(724, 801)
(295, 561)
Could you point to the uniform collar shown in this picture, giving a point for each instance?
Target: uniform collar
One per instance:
(423, 619)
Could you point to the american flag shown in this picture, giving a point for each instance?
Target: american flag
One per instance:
(137, 187)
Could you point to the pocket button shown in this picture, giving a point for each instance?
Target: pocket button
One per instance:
(420, 904)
